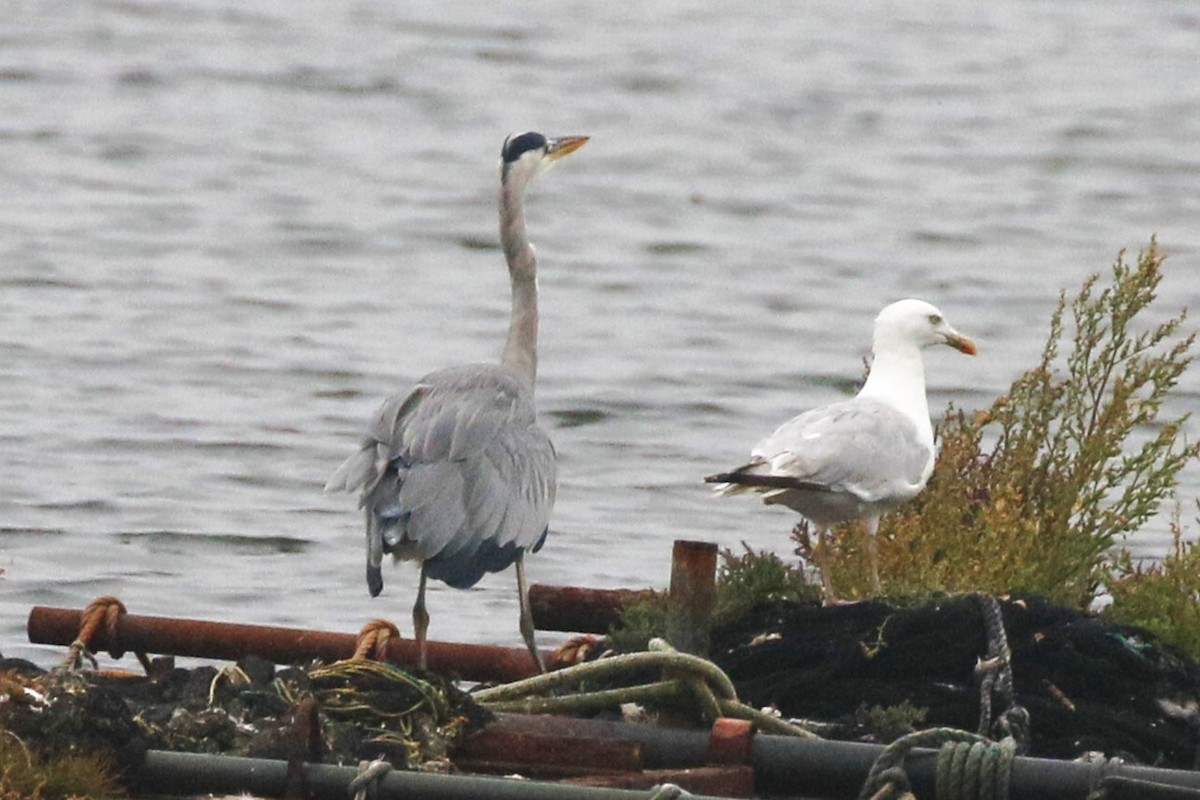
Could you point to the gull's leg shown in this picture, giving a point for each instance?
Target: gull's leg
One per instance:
(873, 554)
(822, 556)
(527, 614)
(420, 619)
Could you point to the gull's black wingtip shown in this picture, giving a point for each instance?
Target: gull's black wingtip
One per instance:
(374, 580)
(758, 481)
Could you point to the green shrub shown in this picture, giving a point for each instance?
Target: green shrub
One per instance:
(1036, 493)
(1164, 597)
(757, 577)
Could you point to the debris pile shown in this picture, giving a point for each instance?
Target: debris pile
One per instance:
(340, 713)
(1088, 685)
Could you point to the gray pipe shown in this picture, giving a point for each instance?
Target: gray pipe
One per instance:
(167, 773)
(783, 765)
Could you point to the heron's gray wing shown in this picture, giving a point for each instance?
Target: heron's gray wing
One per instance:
(859, 446)
(448, 415)
(501, 495)
(455, 464)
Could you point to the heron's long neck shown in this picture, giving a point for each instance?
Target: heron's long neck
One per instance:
(897, 378)
(520, 350)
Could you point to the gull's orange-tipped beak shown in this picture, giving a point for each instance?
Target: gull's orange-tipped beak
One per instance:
(560, 146)
(962, 344)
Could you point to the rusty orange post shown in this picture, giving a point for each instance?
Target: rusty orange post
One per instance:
(692, 596)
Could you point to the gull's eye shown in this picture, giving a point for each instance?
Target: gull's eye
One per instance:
(935, 319)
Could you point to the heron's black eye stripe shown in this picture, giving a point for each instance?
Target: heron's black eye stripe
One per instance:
(515, 146)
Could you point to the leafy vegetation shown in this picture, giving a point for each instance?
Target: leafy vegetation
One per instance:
(757, 577)
(641, 620)
(1164, 597)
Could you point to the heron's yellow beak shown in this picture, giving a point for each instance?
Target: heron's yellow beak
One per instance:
(560, 146)
(962, 344)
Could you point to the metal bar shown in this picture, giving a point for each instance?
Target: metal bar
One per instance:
(727, 781)
(838, 769)
(168, 773)
(230, 641)
(693, 596)
(574, 609)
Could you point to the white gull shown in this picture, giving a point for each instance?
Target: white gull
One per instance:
(858, 458)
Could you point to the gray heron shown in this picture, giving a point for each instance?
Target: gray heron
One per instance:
(456, 474)
(862, 457)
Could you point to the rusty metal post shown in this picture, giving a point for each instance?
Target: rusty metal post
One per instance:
(731, 741)
(230, 642)
(577, 610)
(692, 596)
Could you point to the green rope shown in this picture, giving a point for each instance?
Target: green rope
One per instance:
(688, 677)
(977, 770)
(969, 767)
(608, 669)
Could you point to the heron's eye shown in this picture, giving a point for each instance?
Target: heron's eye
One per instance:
(935, 319)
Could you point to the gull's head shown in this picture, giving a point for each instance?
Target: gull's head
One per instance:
(920, 324)
(527, 154)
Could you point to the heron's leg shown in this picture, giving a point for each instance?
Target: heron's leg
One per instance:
(420, 619)
(527, 614)
(873, 553)
(822, 556)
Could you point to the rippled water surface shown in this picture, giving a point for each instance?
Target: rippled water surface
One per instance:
(230, 229)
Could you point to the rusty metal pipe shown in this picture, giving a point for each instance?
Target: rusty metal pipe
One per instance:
(230, 641)
(577, 610)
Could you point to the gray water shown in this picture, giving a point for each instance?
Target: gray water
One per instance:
(229, 229)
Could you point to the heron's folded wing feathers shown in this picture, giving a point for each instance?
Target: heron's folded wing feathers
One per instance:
(470, 463)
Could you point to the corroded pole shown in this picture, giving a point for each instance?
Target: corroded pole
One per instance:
(692, 596)
(229, 641)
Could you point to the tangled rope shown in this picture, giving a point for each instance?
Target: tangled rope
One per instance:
(689, 678)
(969, 766)
(995, 674)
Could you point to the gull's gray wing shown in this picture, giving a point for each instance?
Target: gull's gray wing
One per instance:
(860, 446)
(456, 473)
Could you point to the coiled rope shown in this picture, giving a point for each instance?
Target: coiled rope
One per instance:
(969, 766)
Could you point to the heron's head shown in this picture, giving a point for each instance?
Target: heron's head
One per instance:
(526, 154)
(921, 324)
